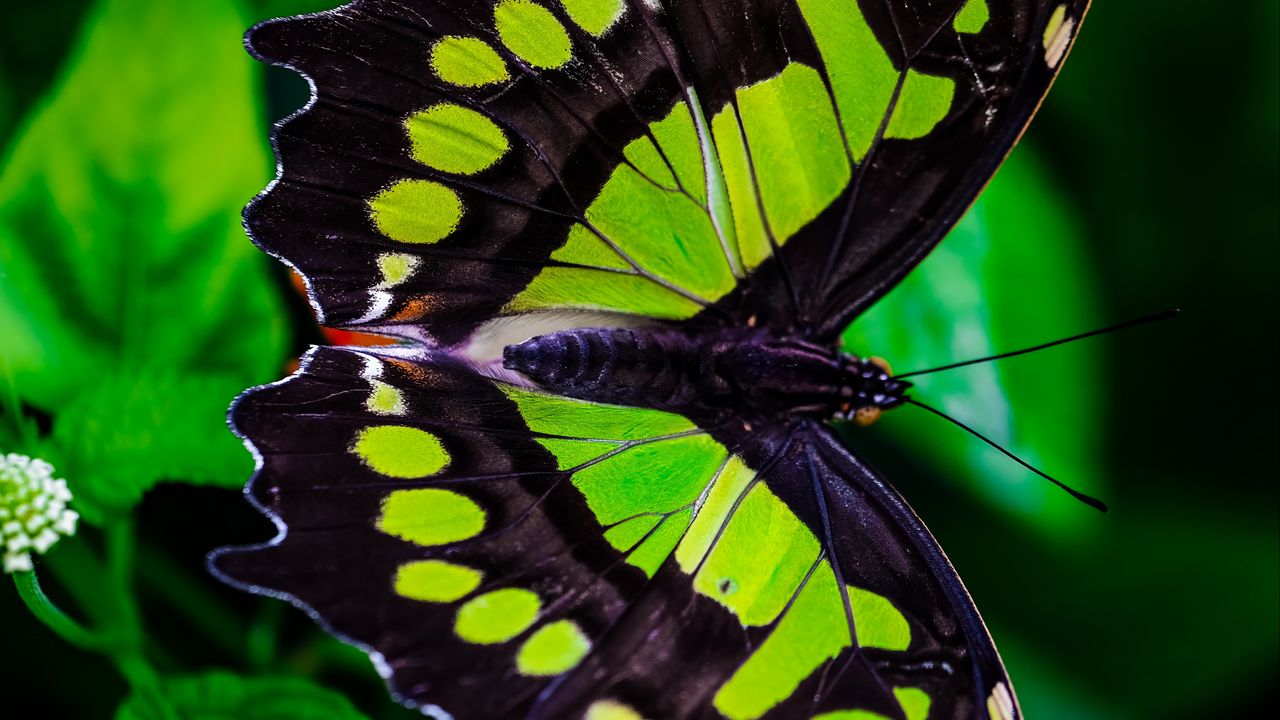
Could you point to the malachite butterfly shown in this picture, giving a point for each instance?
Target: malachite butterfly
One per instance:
(619, 239)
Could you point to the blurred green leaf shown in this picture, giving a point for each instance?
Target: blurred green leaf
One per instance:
(225, 696)
(33, 39)
(128, 431)
(119, 230)
(121, 251)
(1011, 274)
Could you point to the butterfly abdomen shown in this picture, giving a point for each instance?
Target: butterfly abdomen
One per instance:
(626, 366)
(746, 374)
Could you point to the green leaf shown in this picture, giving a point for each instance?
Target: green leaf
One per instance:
(33, 40)
(132, 305)
(1010, 275)
(120, 238)
(128, 431)
(225, 696)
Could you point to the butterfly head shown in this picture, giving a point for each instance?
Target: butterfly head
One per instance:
(869, 389)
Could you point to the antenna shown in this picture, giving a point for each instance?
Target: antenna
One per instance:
(1089, 500)
(1163, 315)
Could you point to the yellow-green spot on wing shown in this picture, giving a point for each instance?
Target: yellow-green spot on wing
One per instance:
(532, 33)
(435, 581)
(812, 631)
(594, 16)
(914, 701)
(430, 516)
(760, 559)
(551, 415)
(611, 710)
(498, 616)
(386, 400)
(455, 139)
(972, 17)
(416, 211)
(923, 102)
(1057, 36)
(467, 61)
(660, 477)
(400, 451)
(553, 649)
(1056, 20)
(878, 622)
(794, 141)
(850, 715)
(395, 268)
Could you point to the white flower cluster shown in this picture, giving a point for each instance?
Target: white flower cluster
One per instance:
(33, 510)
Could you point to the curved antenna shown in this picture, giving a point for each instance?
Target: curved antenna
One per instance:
(1089, 500)
(1163, 315)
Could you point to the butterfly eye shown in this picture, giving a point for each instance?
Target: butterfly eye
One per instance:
(864, 416)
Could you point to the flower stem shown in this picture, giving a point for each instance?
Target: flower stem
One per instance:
(59, 622)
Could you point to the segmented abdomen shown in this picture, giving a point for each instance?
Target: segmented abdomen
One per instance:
(616, 365)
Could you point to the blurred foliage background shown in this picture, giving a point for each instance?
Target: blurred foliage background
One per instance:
(133, 308)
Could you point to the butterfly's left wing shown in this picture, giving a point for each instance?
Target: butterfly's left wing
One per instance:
(505, 553)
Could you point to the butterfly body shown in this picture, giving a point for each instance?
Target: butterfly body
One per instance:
(749, 374)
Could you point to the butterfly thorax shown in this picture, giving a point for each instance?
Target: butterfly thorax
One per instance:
(748, 374)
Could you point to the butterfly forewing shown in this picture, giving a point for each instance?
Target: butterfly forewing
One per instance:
(789, 159)
(471, 173)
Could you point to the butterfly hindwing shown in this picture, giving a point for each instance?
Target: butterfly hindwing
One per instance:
(424, 520)
(503, 551)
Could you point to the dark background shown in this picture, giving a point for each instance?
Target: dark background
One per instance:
(1154, 168)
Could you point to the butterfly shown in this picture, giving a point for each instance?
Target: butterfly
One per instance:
(619, 239)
